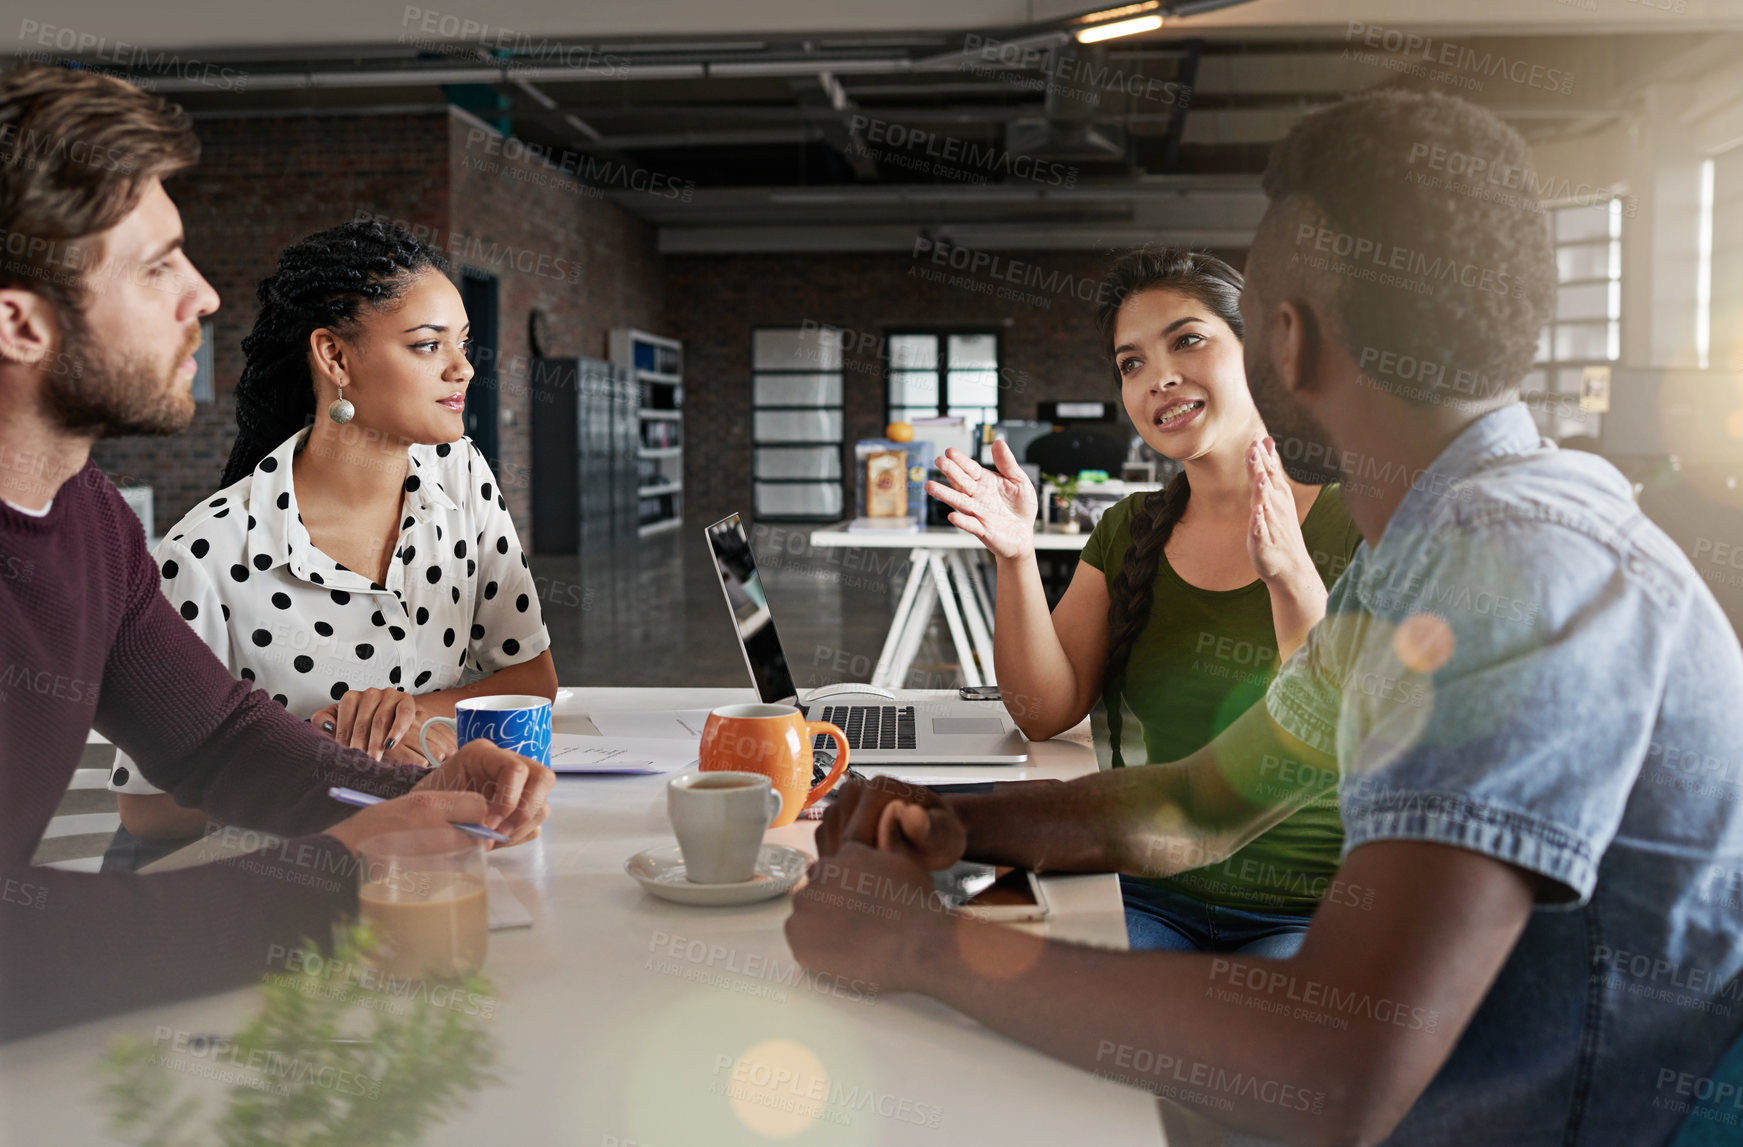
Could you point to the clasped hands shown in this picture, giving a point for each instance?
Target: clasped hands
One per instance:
(869, 911)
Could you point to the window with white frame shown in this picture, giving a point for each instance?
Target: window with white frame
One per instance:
(1586, 328)
(796, 420)
(935, 374)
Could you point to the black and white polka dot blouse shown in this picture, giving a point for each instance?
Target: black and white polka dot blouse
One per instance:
(281, 614)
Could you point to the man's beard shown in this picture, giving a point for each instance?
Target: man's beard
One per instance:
(114, 394)
(1303, 446)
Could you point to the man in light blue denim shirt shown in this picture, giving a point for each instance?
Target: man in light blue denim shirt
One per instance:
(1525, 668)
(1531, 706)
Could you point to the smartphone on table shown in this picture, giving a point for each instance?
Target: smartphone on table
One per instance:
(996, 894)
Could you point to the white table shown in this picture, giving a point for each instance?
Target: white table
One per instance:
(602, 1040)
(937, 576)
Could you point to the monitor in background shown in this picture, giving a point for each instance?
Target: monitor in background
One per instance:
(1016, 434)
(763, 653)
(1075, 449)
(1066, 413)
(1695, 415)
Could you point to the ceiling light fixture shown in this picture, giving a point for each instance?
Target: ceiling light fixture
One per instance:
(1119, 28)
(1107, 14)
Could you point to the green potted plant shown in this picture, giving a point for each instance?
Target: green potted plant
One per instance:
(322, 1064)
(1064, 501)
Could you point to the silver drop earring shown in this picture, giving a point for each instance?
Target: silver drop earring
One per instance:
(341, 410)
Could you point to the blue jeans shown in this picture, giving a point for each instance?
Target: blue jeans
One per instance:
(129, 853)
(1157, 919)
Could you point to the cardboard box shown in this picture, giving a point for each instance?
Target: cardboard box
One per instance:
(919, 457)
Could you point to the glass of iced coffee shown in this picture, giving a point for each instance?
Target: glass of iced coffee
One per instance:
(422, 893)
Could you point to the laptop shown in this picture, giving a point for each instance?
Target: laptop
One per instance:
(880, 728)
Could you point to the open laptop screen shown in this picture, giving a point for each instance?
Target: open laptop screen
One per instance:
(750, 610)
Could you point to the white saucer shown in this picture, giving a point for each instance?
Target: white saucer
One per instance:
(661, 872)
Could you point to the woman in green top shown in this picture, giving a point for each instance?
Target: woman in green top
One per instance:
(1186, 600)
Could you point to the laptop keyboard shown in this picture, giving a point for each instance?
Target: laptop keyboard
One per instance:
(869, 726)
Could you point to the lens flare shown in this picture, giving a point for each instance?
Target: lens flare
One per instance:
(1423, 642)
(778, 1088)
(996, 952)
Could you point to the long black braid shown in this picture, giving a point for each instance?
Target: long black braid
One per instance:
(322, 281)
(1217, 285)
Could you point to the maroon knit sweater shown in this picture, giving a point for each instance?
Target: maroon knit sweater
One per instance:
(87, 640)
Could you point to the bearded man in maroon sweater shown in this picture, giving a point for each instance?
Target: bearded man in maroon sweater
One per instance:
(100, 312)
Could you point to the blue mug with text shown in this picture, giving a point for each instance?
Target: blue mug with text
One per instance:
(520, 723)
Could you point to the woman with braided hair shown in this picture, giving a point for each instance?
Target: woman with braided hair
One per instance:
(1186, 599)
(359, 565)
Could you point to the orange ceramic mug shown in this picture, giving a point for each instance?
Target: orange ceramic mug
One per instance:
(774, 740)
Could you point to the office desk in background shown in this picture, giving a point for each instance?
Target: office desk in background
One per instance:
(605, 1035)
(938, 576)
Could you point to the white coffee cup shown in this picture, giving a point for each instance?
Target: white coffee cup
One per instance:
(719, 819)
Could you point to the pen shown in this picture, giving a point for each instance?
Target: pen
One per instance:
(364, 800)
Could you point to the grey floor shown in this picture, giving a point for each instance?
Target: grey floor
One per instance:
(651, 612)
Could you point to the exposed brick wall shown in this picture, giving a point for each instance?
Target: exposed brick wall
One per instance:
(261, 185)
(1049, 343)
(591, 266)
(556, 245)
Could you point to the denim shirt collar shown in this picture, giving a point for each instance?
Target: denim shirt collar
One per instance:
(1500, 433)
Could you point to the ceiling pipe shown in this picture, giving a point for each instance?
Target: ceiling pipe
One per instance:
(419, 77)
(1025, 50)
(509, 74)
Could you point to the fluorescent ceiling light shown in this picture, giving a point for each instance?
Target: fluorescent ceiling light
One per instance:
(1120, 28)
(1115, 13)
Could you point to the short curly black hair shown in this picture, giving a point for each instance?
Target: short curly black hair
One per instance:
(1453, 279)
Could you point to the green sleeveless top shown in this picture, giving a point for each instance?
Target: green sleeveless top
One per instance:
(1205, 657)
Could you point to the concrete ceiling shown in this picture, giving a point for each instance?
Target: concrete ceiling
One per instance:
(271, 24)
(862, 126)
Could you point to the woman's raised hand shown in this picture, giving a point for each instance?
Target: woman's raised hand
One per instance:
(997, 506)
(1274, 541)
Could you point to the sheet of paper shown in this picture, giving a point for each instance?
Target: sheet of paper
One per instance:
(506, 910)
(650, 722)
(573, 753)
